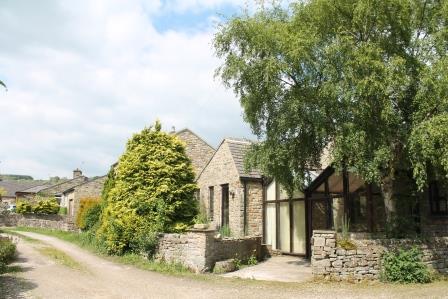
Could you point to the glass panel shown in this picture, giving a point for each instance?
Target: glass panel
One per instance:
(338, 212)
(270, 225)
(335, 183)
(296, 194)
(299, 236)
(284, 227)
(270, 192)
(319, 214)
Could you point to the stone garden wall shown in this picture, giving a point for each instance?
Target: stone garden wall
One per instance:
(199, 250)
(364, 263)
(42, 221)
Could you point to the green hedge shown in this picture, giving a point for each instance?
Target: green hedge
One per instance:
(88, 213)
(7, 253)
(42, 206)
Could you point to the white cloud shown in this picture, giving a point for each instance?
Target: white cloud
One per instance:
(83, 76)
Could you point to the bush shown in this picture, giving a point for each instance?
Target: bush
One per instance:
(46, 206)
(152, 190)
(88, 213)
(23, 207)
(405, 266)
(62, 211)
(7, 253)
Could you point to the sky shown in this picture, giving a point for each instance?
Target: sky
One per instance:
(84, 75)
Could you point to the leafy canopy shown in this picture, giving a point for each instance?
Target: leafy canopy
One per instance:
(151, 191)
(364, 79)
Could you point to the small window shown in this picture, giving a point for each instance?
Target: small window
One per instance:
(211, 202)
(438, 199)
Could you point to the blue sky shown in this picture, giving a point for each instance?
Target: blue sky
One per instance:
(84, 75)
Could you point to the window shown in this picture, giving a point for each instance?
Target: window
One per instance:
(211, 202)
(438, 199)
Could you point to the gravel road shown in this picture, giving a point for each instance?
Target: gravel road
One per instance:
(99, 278)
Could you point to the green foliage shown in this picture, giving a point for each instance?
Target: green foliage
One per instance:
(46, 206)
(252, 261)
(88, 213)
(7, 253)
(405, 266)
(16, 177)
(3, 192)
(345, 227)
(201, 217)
(23, 207)
(225, 231)
(152, 191)
(355, 77)
(62, 211)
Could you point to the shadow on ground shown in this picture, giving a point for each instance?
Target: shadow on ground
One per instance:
(14, 287)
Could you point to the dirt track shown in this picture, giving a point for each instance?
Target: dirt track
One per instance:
(99, 278)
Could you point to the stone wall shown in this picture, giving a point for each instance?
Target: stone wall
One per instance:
(364, 263)
(42, 221)
(254, 208)
(199, 250)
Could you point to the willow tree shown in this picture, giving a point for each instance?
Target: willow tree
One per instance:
(365, 79)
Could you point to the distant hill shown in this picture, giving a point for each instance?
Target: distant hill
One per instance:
(16, 177)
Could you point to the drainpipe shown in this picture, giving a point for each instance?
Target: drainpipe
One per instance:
(245, 207)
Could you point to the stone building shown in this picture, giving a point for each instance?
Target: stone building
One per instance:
(199, 151)
(89, 189)
(11, 187)
(231, 196)
(56, 189)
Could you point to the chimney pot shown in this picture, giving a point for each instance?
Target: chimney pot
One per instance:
(77, 173)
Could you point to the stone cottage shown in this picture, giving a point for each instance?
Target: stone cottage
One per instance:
(198, 150)
(71, 197)
(11, 187)
(230, 196)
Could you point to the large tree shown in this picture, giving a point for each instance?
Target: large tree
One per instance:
(364, 79)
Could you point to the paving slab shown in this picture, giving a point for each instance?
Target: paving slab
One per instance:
(278, 268)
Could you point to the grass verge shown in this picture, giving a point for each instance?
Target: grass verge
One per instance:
(86, 241)
(60, 257)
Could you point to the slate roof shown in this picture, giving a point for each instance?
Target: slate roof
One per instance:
(35, 189)
(238, 148)
(12, 187)
(89, 180)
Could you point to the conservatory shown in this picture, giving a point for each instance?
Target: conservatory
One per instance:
(333, 199)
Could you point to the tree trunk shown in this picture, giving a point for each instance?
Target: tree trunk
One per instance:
(388, 190)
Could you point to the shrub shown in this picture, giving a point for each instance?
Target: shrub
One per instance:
(88, 212)
(152, 191)
(46, 206)
(62, 211)
(23, 207)
(7, 253)
(405, 266)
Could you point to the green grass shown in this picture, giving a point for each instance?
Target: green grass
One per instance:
(59, 256)
(86, 241)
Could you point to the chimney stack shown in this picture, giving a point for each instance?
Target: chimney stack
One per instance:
(77, 173)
